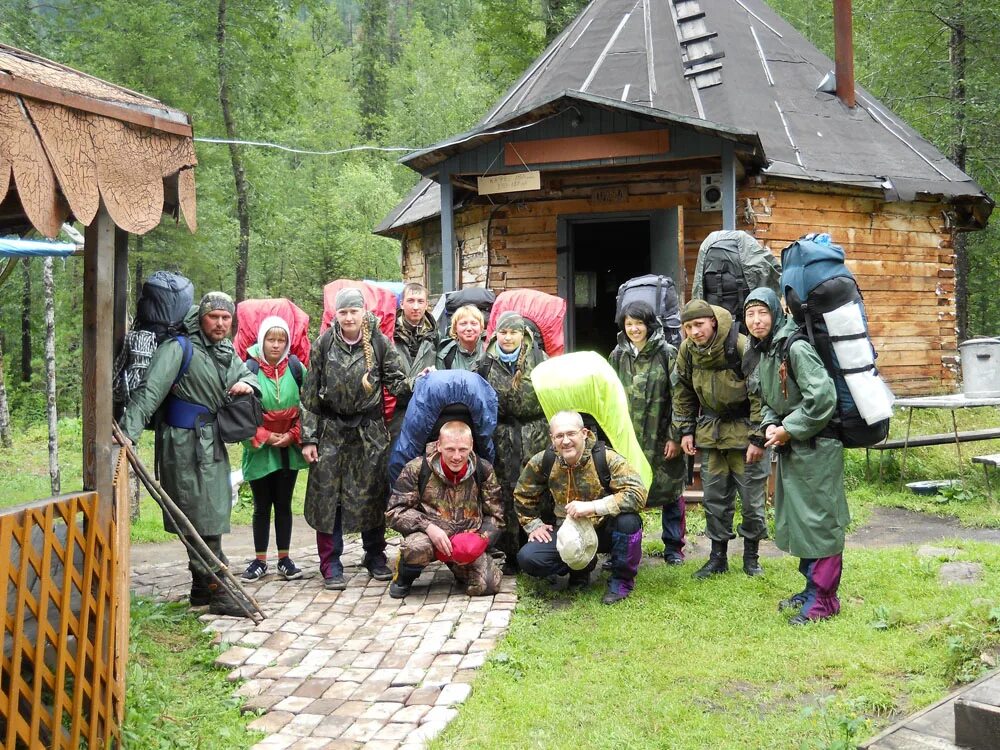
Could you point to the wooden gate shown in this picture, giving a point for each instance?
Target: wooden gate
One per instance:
(65, 620)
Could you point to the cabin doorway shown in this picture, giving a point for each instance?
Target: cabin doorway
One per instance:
(596, 256)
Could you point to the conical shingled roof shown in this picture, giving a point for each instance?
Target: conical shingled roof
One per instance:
(734, 64)
(759, 74)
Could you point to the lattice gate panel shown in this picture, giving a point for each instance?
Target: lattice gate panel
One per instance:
(62, 679)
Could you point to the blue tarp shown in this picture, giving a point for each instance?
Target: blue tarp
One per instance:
(431, 394)
(14, 248)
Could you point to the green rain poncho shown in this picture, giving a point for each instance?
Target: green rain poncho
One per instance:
(810, 508)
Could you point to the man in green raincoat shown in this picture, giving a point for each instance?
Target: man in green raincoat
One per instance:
(810, 505)
(714, 412)
(193, 466)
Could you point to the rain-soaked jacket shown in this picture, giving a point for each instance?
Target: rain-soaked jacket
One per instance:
(646, 377)
(580, 482)
(417, 347)
(811, 513)
(710, 399)
(191, 468)
(345, 422)
(521, 427)
(451, 356)
(453, 507)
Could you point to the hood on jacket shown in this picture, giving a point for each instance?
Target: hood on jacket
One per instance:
(713, 355)
(493, 347)
(779, 321)
(273, 321)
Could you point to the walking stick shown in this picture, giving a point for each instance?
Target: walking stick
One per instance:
(189, 536)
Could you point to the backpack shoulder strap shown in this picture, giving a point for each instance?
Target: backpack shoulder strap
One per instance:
(480, 474)
(252, 365)
(600, 455)
(424, 477)
(188, 348)
(786, 350)
(295, 365)
(734, 360)
(449, 358)
(548, 461)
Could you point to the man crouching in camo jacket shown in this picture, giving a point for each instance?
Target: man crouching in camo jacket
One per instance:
(447, 506)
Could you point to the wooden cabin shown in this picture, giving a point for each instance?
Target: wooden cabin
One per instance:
(646, 125)
(74, 147)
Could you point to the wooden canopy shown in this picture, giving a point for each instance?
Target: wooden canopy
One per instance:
(69, 142)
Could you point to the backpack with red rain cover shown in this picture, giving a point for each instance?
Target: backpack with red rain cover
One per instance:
(546, 311)
(250, 313)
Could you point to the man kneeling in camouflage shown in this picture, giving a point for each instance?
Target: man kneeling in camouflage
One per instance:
(447, 506)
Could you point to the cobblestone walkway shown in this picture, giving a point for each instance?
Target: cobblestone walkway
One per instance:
(355, 668)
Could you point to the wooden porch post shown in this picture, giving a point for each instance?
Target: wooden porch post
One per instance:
(98, 339)
(120, 310)
(728, 186)
(447, 231)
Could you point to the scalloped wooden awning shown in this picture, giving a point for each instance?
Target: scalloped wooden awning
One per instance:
(69, 141)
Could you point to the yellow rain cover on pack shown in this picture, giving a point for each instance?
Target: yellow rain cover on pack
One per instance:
(584, 381)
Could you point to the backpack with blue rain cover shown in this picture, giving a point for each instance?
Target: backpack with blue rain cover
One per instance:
(828, 308)
(438, 397)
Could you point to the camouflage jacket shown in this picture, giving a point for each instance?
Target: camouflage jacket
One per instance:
(417, 347)
(646, 376)
(333, 388)
(465, 506)
(580, 482)
(710, 400)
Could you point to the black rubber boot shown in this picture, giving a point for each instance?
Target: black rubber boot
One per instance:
(200, 593)
(403, 579)
(751, 560)
(718, 562)
(223, 603)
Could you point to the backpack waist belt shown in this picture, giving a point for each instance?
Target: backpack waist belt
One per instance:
(731, 414)
(184, 414)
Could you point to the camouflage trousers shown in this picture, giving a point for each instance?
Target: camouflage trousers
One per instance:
(480, 578)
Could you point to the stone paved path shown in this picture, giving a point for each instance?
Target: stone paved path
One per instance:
(354, 668)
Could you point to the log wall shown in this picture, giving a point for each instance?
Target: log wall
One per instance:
(900, 252)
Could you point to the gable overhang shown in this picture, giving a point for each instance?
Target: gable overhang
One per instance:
(571, 116)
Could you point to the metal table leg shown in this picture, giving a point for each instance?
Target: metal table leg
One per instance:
(958, 444)
(906, 443)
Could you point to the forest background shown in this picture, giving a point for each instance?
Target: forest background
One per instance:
(331, 75)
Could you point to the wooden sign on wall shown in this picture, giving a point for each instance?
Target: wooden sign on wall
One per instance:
(510, 183)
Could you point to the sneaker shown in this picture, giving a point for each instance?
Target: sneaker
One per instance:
(288, 570)
(255, 570)
(335, 582)
(673, 558)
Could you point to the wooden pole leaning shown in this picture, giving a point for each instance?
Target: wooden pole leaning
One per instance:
(189, 536)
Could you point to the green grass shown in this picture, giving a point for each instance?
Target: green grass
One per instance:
(24, 476)
(712, 664)
(176, 697)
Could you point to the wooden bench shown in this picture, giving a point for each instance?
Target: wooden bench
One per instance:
(922, 441)
(987, 461)
(941, 438)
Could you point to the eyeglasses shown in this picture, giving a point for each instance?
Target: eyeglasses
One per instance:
(571, 435)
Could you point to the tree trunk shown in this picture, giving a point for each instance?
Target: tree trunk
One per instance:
(958, 61)
(6, 439)
(236, 157)
(50, 374)
(26, 321)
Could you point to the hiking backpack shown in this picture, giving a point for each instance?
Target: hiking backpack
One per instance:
(164, 302)
(660, 293)
(826, 304)
(723, 280)
(599, 453)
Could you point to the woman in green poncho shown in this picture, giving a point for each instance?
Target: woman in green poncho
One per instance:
(810, 505)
